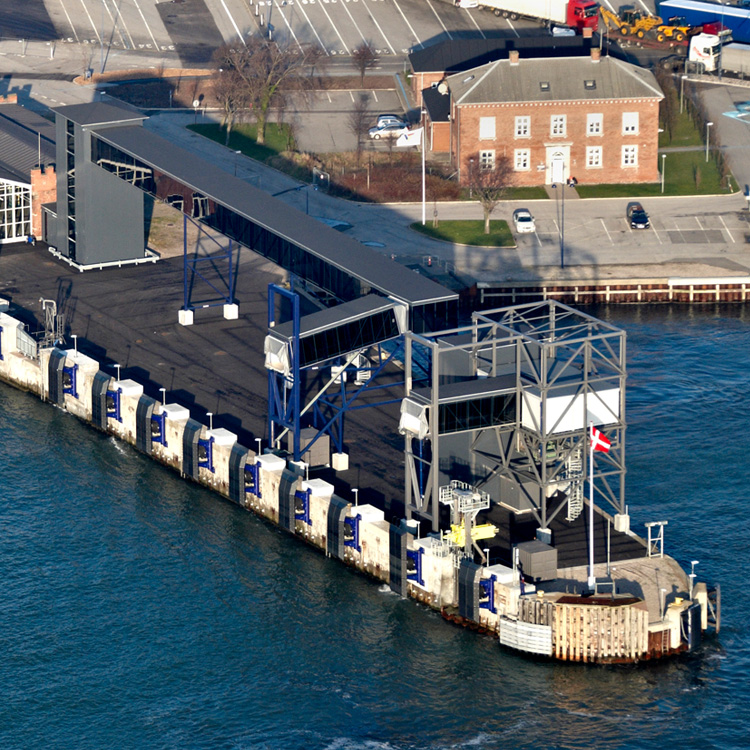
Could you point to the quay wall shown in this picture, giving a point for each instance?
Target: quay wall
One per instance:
(628, 291)
(427, 569)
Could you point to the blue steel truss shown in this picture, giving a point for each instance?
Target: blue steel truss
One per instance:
(192, 268)
(329, 410)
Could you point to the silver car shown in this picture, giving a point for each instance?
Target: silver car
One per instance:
(523, 220)
(394, 130)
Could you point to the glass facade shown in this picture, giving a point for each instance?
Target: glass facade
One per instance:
(352, 335)
(15, 211)
(477, 413)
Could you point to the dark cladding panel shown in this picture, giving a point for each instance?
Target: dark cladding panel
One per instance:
(237, 461)
(99, 399)
(397, 559)
(55, 372)
(190, 448)
(144, 411)
(287, 489)
(468, 590)
(335, 538)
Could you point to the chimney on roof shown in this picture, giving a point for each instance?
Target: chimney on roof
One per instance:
(588, 32)
(513, 56)
(596, 54)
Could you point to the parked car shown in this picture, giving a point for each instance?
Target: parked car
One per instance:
(394, 130)
(637, 217)
(523, 220)
(390, 119)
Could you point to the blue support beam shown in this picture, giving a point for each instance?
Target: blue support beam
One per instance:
(223, 283)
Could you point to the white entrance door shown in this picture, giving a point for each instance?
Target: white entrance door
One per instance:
(558, 164)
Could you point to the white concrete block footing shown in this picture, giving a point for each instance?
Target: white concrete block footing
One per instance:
(340, 461)
(185, 317)
(231, 312)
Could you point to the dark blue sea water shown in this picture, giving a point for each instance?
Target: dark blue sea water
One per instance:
(139, 611)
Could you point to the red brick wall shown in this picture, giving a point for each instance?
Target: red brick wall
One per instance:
(465, 138)
(439, 137)
(420, 81)
(43, 190)
(9, 99)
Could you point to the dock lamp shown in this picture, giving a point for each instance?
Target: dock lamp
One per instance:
(355, 490)
(163, 392)
(210, 420)
(663, 165)
(117, 367)
(708, 133)
(74, 336)
(259, 441)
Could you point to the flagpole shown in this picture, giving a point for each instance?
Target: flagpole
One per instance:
(424, 192)
(592, 579)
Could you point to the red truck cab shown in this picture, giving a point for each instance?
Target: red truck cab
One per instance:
(583, 14)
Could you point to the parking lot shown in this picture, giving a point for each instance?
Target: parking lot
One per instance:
(190, 27)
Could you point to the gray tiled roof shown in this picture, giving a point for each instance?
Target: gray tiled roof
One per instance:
(23, 136)
(502, 82)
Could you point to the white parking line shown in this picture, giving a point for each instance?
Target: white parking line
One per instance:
(445, 28)
(375, 96)
(93, 25)
(351, 18)
(607, 231)
(333, 26)
(387, 41)
(150, 33)
(406, 21)
(513, 28)
(291, 30)
(474, 21)
(116, 20)
(234, 23)
(65, 10)
(700, 226)
(721, 219)
(309, 23)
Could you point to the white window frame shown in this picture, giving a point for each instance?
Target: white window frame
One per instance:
(629, 156)
(486, 160)
(593, 157)
(486, 128)
(630, 123)
(594, 124)
(523, 126)
(522, 160)
(558, 125)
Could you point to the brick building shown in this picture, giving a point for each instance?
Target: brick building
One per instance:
(27, 170)
(593, 118)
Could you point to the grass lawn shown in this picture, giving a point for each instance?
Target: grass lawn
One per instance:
(685, 173)
(242, 138)
(685, 133)
(469, 233)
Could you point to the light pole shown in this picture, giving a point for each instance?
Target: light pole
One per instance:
(682, 91)
(693, 563)
(163, 392)
(74, 336)
(663, 165)
(355, 491)
(236, 159)
(471, 177)
(117, 367)
(562, 222)
(259, 441)
(708, 135)
(210, 420)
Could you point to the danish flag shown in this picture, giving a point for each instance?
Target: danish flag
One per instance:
(599, 441)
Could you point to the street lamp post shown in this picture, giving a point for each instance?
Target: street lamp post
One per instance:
(236, 159)
(682, 91)
(163, 392)
(210, 420)
(708, 135)
(355, 492)
(663, 165)
(471, 177)
(561, 184)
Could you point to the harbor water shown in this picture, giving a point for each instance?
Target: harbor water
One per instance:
(138, 610)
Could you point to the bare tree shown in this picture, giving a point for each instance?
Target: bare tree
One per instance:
(231, 96)
(364, 57)
(669, 105)
(359, 119)
(489, 183)
(264, 68)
